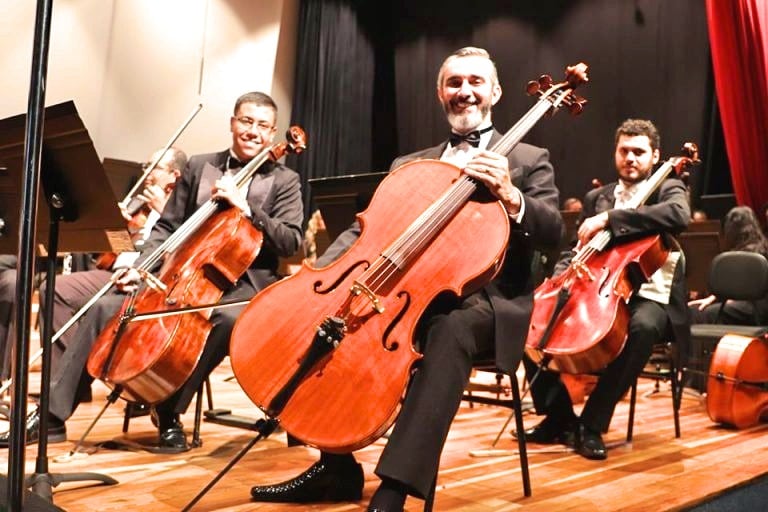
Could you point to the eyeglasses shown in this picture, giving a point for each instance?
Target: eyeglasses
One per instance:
(247, 123)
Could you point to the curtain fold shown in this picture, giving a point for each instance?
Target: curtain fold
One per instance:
(333, 95)
(737, 33)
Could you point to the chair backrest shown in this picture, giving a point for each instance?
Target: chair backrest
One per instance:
(739, 275)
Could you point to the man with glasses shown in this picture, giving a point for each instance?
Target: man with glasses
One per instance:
(273, 203)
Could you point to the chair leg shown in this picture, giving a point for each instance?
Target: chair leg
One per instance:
(209, 393)
(127, 416)
(196, 441)
(521, 446)
(676, 398)
(631, 419)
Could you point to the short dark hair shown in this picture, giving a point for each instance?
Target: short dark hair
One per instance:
(258, 98)
(635, 127)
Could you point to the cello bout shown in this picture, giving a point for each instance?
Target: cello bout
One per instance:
(737, 385)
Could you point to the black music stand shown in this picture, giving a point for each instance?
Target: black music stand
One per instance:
(76, 191)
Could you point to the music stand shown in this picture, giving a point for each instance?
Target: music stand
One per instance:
(77, 192)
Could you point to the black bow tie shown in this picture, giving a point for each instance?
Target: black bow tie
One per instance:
(472, 137)
(234, 163)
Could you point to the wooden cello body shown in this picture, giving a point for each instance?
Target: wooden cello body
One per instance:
(151, 359)
(592, 332)
(351, 395)
(737, 384)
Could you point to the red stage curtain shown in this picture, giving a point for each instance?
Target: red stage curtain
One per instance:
(738, 31)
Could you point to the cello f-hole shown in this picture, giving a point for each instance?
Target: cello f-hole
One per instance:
(396, 320)
(317, 287)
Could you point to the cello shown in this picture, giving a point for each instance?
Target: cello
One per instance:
(334, 374)
(590, 296)
(737, 382)
(152, 358)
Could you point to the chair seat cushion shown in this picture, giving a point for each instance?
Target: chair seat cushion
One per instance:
(718, 331)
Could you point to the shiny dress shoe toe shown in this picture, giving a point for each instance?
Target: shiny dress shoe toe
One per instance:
(589, 444)
(57, 431)
(173, 440)
(321, 482)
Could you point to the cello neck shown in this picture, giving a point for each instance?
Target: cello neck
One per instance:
(515, 134)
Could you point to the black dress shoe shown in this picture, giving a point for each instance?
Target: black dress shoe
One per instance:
(589, 444)
(171, 436)
(551, 431)
(57, 430)
(321, 482)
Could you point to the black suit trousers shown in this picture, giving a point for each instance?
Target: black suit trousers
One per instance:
(648, 324)
(452, 340)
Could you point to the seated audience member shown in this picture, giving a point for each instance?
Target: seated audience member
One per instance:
(572, 204)
(742, 232)
(699, 216)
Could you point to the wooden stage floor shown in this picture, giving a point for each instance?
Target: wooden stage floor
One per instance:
(656, 472)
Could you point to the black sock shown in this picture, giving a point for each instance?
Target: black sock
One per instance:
(389, 496)
(54, 422)
(337, 459)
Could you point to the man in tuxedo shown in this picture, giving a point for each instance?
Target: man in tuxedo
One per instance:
(272, 202)
(657, 310)
(455, 331)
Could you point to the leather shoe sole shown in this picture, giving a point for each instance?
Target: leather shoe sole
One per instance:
(173, 440)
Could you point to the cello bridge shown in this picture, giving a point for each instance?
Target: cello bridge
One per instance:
(582, 270)
(360, 289)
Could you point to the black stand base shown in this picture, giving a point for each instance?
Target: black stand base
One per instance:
(32, 502)
(225, 417)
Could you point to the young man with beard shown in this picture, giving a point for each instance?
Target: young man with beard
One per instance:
(657, 309)
(494, 319)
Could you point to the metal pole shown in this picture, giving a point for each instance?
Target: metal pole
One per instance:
(26, 254)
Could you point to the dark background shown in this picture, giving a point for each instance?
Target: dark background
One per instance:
(366, 71)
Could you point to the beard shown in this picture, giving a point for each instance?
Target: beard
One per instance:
(464, 122)
(636, 175)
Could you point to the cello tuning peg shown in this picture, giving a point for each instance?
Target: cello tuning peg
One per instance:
(545, 81)
(576, 104)
(532, 88)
